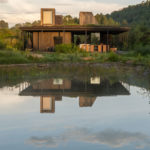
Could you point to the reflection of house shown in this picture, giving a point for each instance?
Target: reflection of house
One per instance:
(52, 84)
(95, 80)
(86, 101)
(47, 104)
(54, 89)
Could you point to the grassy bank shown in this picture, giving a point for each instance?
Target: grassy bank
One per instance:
(18, 57)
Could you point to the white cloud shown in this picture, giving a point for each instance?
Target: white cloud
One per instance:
(16, 11)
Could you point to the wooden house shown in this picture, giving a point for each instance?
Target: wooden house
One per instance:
(52, 32)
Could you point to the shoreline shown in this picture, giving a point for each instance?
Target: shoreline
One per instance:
(104, 64)
(17, 58)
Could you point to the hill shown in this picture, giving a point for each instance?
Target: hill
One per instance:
(135, 14)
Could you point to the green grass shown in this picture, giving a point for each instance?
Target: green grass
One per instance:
(18, 57)
(12, 57)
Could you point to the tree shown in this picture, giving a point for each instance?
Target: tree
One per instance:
(135, 14)
(70, 20)
(105, 20)
(124, 22)
(3, 24)
(36, 23)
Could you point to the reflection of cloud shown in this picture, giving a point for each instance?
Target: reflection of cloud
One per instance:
(112, 138)
(6, 100)
(3, 1)
(47, 141)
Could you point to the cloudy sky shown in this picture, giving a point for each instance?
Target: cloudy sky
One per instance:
(19, 11)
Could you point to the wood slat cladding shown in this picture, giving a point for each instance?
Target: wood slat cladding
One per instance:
(87, 18)
(58, 20)
(45, 40)
(86, 101)
(46, 19)
(35, 40)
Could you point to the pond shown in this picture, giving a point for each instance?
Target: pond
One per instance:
(63, 107)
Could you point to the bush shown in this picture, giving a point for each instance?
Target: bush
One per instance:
(66, 48)
(19, 45)
(143, 50)
(2, 44)
(113, 57)
(12, 57)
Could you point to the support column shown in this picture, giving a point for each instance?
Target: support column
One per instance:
(107, 40)
(38, 41)
(64, 35)
(22, 38)
(72, 38)
(85, 36)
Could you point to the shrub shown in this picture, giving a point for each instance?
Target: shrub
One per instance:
(12, 57)
(2, 44)
(19, 45)
(143, 50)
(113, 57)
(66, 48)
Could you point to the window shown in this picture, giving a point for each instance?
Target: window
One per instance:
(47, 17)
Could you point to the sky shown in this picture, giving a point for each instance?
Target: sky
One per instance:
(20, 11)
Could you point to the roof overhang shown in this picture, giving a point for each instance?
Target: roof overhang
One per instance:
(77, 29)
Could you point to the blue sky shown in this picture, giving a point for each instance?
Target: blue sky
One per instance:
(19, 11)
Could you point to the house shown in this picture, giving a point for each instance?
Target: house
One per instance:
(52, 32)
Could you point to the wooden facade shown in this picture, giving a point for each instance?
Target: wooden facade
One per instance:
(58, 20)
(45, 37)
(43, 17)
(87, 18)
(52, 32)
(45, 40)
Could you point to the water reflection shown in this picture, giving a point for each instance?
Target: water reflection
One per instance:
(109, 137)
(53, 89)
(84, 108)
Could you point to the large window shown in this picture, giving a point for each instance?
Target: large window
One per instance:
(47, 17)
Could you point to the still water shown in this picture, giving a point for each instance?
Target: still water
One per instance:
(69, 110)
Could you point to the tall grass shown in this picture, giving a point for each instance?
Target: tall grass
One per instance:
(2, 45)
(12, 57)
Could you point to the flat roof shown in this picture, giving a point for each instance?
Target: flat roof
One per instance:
(77, 29)
(79, 89)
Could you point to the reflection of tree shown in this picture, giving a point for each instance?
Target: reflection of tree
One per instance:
(113, 73)
(144, 92)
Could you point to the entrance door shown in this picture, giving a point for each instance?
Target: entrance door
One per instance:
(58, 40)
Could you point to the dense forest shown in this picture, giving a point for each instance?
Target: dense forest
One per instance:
(133, 15)
(137, 18)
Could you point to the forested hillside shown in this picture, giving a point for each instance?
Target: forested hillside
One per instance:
(136, 14)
